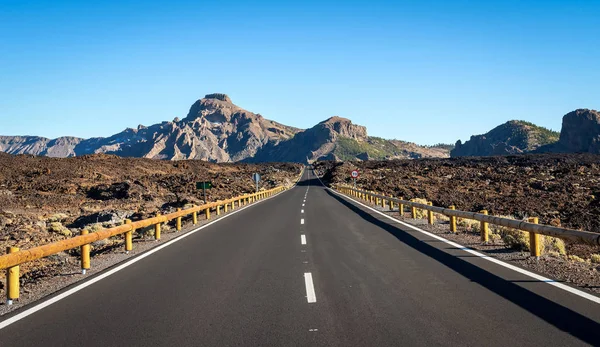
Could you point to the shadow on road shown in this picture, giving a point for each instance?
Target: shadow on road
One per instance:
(561, 317)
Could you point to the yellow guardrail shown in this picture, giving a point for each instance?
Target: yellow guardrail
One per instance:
(531, 225)
(15, 256)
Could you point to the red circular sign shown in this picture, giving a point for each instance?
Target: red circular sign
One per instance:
(354, 174)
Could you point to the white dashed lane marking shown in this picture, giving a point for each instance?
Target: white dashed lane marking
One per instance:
(303, 239)
(310, 288)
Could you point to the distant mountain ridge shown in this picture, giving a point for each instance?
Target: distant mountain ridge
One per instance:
(512, 137)
(217, 130)
(580, 133)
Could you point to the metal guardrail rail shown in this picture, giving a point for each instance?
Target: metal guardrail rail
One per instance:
(530, 226)
(15, 256)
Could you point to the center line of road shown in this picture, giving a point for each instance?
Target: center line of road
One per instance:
(310, 288)
(301, 211)
(302, 221)
(302, 205)
(303, 239)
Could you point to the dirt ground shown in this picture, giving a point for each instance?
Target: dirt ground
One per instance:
(562, 190)
(43, 199)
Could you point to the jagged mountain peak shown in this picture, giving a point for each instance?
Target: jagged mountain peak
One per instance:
(219, 96)
(336, 119)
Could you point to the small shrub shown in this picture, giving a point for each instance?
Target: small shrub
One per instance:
(595, 258)
(59, 217)
(516, 239)
(554, 254)
(469, 225)
(146, 232)
(575, 258)
(58, 228)
(553, 244)
(92, 228)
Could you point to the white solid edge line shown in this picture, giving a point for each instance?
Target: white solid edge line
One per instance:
(303, 239)
(37, 307)
(302, 221)
(311, 297)
(540, 278)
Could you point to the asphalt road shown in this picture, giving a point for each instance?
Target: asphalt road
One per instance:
(246, 281)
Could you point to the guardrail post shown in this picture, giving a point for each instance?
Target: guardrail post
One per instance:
(383, 203)
(178, 221)
(218, 210)
(485, 229)
(85, 255)
(225, 208)
(534, 240)
(401, 207)
(207, 213)
(430, 218)
(12, 279)
(413, 210)
(128, 238)
(453, 220)
(391, 204)
(157, 228)
(195, 217)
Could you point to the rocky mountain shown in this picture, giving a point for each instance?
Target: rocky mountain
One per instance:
(513, 137)
(338, 139)
(217, 130)
(580, 133)
(214, 129)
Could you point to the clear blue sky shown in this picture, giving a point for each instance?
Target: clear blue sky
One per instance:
(426, 71)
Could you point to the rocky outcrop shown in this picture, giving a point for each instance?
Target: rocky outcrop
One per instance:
(580, 132)
(513, 137)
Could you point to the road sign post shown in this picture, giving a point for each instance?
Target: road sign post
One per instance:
(204, 186)
(354, 174)
(256, 178)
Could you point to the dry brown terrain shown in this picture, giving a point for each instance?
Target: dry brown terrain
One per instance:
(560, 189)
(49, 199)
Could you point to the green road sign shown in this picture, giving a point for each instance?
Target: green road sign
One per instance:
(203, 185)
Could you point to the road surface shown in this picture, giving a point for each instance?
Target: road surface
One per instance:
(311, 268)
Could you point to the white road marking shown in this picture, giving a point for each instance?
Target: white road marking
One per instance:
(310, 288)
(103, 275)
(540, 278)
(301, 211)
(302, 221)
(303, 239)
(302, 205)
